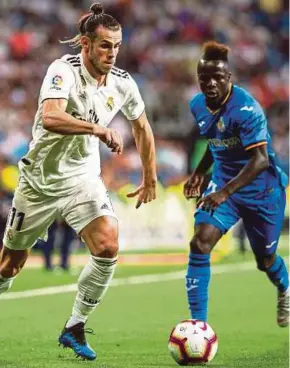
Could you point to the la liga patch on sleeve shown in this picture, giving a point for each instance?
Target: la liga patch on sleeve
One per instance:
(57, 80)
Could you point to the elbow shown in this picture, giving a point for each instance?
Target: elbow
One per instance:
(264, 164)
(47, 122)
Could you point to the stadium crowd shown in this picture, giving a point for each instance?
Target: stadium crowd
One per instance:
(161, 45)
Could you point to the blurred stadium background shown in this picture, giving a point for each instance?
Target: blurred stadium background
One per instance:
(161, 45)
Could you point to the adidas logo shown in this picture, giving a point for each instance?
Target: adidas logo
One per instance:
(105, 207)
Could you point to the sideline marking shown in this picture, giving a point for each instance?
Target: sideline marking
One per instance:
(132, 280)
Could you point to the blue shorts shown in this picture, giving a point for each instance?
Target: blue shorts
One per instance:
(263, 218)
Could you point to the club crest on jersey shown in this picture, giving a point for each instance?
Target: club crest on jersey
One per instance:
(57, 80)
(110, 103)
(221, 125)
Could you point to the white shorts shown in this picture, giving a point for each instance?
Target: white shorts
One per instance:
(32, 212)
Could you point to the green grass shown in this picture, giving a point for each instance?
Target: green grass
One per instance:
(36, 278)
(133, 323)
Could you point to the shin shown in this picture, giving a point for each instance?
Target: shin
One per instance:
(101, 237)
(198, 272)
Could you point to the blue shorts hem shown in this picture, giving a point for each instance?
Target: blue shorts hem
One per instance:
(206, 218)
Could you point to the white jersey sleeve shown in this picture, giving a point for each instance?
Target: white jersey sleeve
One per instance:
(134, 104)
(58, 81)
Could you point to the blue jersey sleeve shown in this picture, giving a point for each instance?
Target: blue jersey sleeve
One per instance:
(192, 105)
(252, 126)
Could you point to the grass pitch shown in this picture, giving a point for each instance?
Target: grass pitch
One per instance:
(133, 322)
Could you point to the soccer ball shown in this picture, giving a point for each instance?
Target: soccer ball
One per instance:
(192, 342)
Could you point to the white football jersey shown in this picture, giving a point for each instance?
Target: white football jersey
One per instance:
(58, 165)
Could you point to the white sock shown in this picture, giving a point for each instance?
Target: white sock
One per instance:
(93, 283)
(5, 283)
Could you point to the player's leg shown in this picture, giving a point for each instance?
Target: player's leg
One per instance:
(48, 246)
(65, 247)
(28, 220)
(11, 263)
(205, 238)
(101, 237)
(209, 228)
(95, 221)
(263, 225)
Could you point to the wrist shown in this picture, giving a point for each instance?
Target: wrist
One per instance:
(97, 130)
(227, 191)
(150, 180)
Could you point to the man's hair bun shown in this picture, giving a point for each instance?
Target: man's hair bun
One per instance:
(97, 9)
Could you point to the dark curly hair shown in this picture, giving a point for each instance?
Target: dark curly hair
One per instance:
(213, 50)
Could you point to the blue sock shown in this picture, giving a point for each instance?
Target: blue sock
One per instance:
(197, 281)
(278, 274)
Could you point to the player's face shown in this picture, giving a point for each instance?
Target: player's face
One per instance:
(103, 50)
(214, 80)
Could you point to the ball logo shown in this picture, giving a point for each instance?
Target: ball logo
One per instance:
(57, 80)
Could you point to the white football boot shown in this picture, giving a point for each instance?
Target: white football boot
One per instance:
(283, 308)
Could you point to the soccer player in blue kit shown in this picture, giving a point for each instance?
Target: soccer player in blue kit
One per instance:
(246, 181)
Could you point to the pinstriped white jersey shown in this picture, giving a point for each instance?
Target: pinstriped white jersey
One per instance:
(58, 165)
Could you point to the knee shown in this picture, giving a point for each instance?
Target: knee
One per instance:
(107, 249)
(101, 237)
(200, 244)
(264, 263)
(106, 243)
(10, 271)
(12, 262)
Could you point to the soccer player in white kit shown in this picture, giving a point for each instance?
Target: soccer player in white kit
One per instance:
(60, 175)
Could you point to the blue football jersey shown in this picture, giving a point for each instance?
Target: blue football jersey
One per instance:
(231, 131)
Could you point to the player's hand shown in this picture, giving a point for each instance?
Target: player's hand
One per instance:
(192, 186)
(110, 137)
(210, 202)
(146, 193)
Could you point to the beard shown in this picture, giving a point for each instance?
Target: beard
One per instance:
(98, 67)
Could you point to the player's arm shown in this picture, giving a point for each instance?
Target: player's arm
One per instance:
(254, 134)
(253, 130)
(193, 184)
(57, 120)
(205, 163)
(258, 162)
(55, 92)
(144, 139)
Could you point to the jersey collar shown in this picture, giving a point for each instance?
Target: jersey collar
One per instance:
(224, 101)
